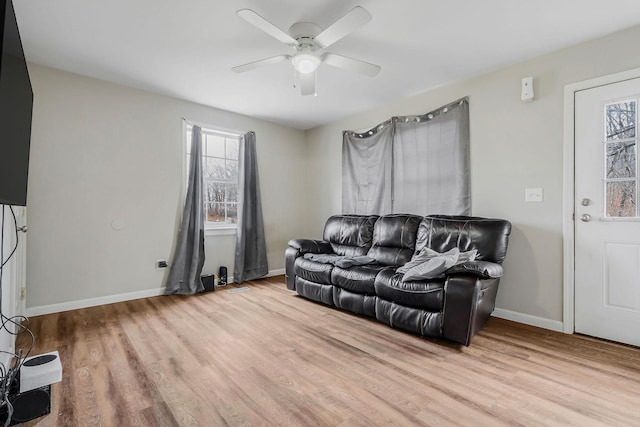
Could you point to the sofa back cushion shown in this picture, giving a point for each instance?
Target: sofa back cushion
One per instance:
(394, 239)
(350, 235)
(488, 236)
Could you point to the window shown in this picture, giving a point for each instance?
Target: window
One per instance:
(220, 174)
(621, 169)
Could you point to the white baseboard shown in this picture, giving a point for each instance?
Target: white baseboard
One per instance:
(109, 299)
(91, 302)
(278, 272)
(528, 319)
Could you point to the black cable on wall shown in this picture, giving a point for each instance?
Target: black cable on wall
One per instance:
(14, 325)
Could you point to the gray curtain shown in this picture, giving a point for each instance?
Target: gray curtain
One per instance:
(410, 164)
(366, 170)
(251, 252)
(431, 172)
(188, 259)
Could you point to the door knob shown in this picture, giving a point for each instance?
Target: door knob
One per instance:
(585, 218)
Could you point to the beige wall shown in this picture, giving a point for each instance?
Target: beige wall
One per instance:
(514, 146)
(106, 175)
(105, 185)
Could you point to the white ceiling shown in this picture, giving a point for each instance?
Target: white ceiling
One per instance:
(186, 48)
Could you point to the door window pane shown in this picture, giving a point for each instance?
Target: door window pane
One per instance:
(620, 120)
(621, 160)
(621, 199)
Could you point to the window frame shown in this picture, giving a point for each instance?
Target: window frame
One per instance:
(605, 144)
(211, 228)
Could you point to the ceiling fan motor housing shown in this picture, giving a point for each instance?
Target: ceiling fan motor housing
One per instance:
(304, 32)
(305, 60)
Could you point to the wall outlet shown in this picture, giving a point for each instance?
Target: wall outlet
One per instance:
(161, 263)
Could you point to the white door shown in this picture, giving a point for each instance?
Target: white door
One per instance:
(607, 220)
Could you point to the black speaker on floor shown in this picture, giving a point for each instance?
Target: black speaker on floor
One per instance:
(28, 405)
(208, 282)
(222, 277)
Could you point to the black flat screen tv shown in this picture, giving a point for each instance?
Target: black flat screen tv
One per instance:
(16, 104)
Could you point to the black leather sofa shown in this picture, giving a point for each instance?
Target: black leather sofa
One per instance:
(454, 305)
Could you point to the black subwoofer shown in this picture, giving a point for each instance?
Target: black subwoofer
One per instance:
(28, 405)
(208, 282)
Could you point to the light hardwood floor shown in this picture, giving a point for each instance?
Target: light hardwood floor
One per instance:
(269, 357)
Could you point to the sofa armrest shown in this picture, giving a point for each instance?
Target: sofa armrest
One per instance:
(309, 246)
(468, 303)
(481, 269)
(297, 248)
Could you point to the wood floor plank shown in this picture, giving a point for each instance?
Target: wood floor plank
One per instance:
(269, 357)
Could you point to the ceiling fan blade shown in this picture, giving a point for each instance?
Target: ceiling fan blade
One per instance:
(307, 83)
(351, 64)
(256, 64)
(356, 17)
(259, 22)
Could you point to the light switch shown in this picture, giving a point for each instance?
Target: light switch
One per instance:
(533, 194)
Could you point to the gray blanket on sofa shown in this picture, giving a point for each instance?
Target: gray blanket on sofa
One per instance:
(339, 260)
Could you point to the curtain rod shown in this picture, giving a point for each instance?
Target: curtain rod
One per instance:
(409, 118)
(233, 132)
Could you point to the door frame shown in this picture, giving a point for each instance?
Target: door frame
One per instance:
(20, 283)
(568, 179)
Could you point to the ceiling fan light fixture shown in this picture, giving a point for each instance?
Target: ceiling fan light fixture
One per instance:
(306, 63)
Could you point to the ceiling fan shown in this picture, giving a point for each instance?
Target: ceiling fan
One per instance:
(308, 40)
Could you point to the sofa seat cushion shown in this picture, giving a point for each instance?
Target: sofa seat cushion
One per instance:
(423, 294)
(313, 271)
(358, 279)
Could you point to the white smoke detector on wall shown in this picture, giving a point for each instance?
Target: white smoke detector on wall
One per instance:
(527, 89)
